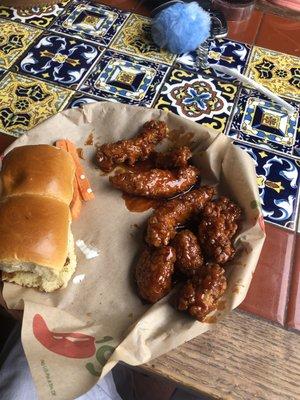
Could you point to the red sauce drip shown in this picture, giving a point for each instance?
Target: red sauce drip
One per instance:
(90, 140)
(80, 153)
(139, 204)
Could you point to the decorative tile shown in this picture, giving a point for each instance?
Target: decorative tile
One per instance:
(59, 59)
(25, 102)
(14, 40)
(126, 79)
(257, 120)
(203, 100)
(90, 21)
(80, 99)
(277, 71)
(278, 179)
(222, 52)
(40, 16)
(135, 39)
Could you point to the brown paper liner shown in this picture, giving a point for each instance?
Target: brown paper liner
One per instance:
(100, 301)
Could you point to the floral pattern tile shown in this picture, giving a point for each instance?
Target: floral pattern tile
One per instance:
(80, 99)
(40, 16)
(259, 121)
(277, 71)
(227, 53)
(278, 179)
(126, 79)
(201, 99)
(90, 21)
(25, 102)
(59, 59)
(135, 39)
(14, 40)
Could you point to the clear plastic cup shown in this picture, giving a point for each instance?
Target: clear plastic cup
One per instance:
(235, 10)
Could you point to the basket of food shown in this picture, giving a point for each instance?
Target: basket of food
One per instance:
(165, 234)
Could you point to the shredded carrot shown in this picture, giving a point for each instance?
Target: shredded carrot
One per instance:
(82, 181)
(76, 202)
(83, 184)
(61, 144)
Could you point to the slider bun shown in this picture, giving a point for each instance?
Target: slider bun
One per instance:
(41, 278)
(38, 169)
(34, 230)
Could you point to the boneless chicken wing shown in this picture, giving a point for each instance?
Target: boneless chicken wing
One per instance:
(218, 225)
(154, 272)
(176, 158)
(165, 219)
(156, 183)
(199, 296)
(189, 258)
(132, 150)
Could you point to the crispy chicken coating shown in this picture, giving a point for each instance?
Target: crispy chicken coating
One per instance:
(156, 183)
(200, 295)
(189, 258)
(165, 219)
(154, 272)
(217, 228)
(132, 150)
(177, 158)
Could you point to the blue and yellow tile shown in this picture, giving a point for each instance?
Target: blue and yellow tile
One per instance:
(277, 71)
(278, 179)
(80, 99)
(126, 79)
(25, 102)
(259, 121)
(135, 39)
(40, 16)
(227, 53)
(59, 59)
(14, 40)
(201, 99)
(90, 21)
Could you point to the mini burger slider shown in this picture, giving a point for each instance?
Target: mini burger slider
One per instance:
(36, 243)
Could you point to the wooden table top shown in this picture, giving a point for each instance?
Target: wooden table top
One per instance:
(243, 358)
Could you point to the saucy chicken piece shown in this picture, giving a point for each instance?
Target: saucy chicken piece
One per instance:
(154, 272)
(217, 228)
(177, 158)
(132, 150)
(189, 258)
(199, 296)
(156, 183)
(165, 219)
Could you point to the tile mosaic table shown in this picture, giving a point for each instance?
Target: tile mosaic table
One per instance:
(78, 52)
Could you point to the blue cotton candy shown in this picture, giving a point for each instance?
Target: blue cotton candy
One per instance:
(181, 27)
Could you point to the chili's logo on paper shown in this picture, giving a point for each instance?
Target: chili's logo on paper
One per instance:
(102, 355)
(74, 344)
(67, 344)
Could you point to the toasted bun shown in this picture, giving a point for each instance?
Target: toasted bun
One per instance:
(38, 169)
(40, 278)
(33, 230)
